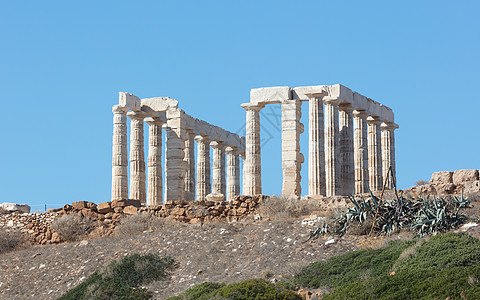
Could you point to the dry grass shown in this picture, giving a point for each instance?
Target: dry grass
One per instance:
(9, 240)
(280, 208)
(72, 227)
(139, 223)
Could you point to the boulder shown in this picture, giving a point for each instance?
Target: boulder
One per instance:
(130, 210)
(79, 205)
(460, 176)
(15, 207)
(104, 207)
(442, 177)
(471, 187)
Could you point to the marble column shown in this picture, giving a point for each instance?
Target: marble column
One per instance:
(203, 167)
(218, 168)
(332, 166)
(292, 159)
(154, 162)
(119, 154)
(361, 152)
(388, 151)
(347, 167)
(233, 172)
(175, 166)
(374, 154)
(316, 144)
(190, 161)
(252, 184)
(137, 157)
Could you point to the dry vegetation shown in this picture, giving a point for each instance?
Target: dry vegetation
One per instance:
(281, 208)
(138, 224)
(9, 240)
(72, 227)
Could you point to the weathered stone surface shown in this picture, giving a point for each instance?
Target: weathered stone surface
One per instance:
(15, 207)
(130, 210)
(471, 186)
(104, 207)
(442, 177)
(460, 176)
(270, 94)
(79, 205)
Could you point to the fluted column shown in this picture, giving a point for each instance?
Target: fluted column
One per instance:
(316, 144)
(174, 163)
(347, 168)
(154, 162)
(137, 157)
(218, 168)
(252, 169)
(203, 167)
(388, 151)
(190, 161)
(119, 154)
(233, 172)
(332, 166)
(361, 152)
(374, 154)
(292, 159)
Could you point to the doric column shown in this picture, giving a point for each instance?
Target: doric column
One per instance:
(190, 161)
(203, 167)
(137, 157)
(175, 166)
(388, 151)
(154, 162)
(332, 166)
(233, 172)
(252, 169)
(218, 168)
(374, 154)
(361, 152)
(347, 168)
(292, 159)
(119, 154)
(316, 144)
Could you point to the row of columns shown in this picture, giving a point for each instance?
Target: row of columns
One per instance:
(350, 151)
(179, 162)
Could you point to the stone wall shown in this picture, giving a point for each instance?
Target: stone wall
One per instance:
(106, 216)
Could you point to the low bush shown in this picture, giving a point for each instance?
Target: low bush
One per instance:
(72, 227)
(121, 279)
(279, 208)
(139, 223)
(446, 266)
(251, 289)
(9, 239)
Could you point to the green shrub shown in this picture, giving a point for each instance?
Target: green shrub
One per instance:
(120, 280)
(447, 265)
(252, 289)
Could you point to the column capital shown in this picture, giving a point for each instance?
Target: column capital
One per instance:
(138, 115)
(387, 126)
(231, 149)
(153, 121)
(331, 101)
(346, 107)
(360, 114)
(374, 120)
(117, 109)
(316, 94)
(217, 145)
(202, 139)
(252, 106)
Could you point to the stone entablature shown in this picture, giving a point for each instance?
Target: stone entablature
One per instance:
(351, 140)
(181, 130)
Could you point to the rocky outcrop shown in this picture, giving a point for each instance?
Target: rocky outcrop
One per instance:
(11, 207)
(449, 183)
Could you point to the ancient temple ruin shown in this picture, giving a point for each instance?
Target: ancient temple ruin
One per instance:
(351, 147)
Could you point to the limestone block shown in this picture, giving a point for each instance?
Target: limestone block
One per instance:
(215, 197)
(373, 108)
(79, 205)
(299, 93)
(460, 176)
(104, 208)
(386, 113)
(270, 94)
(14, 207)
(130, 210)
(470, 187)
(129, 101)
(442, 177)
(359, 101)
(340, 92)
(158, 104)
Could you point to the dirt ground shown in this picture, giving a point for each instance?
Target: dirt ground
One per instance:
(204, 252)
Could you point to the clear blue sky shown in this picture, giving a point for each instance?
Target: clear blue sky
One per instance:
(62, 65)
